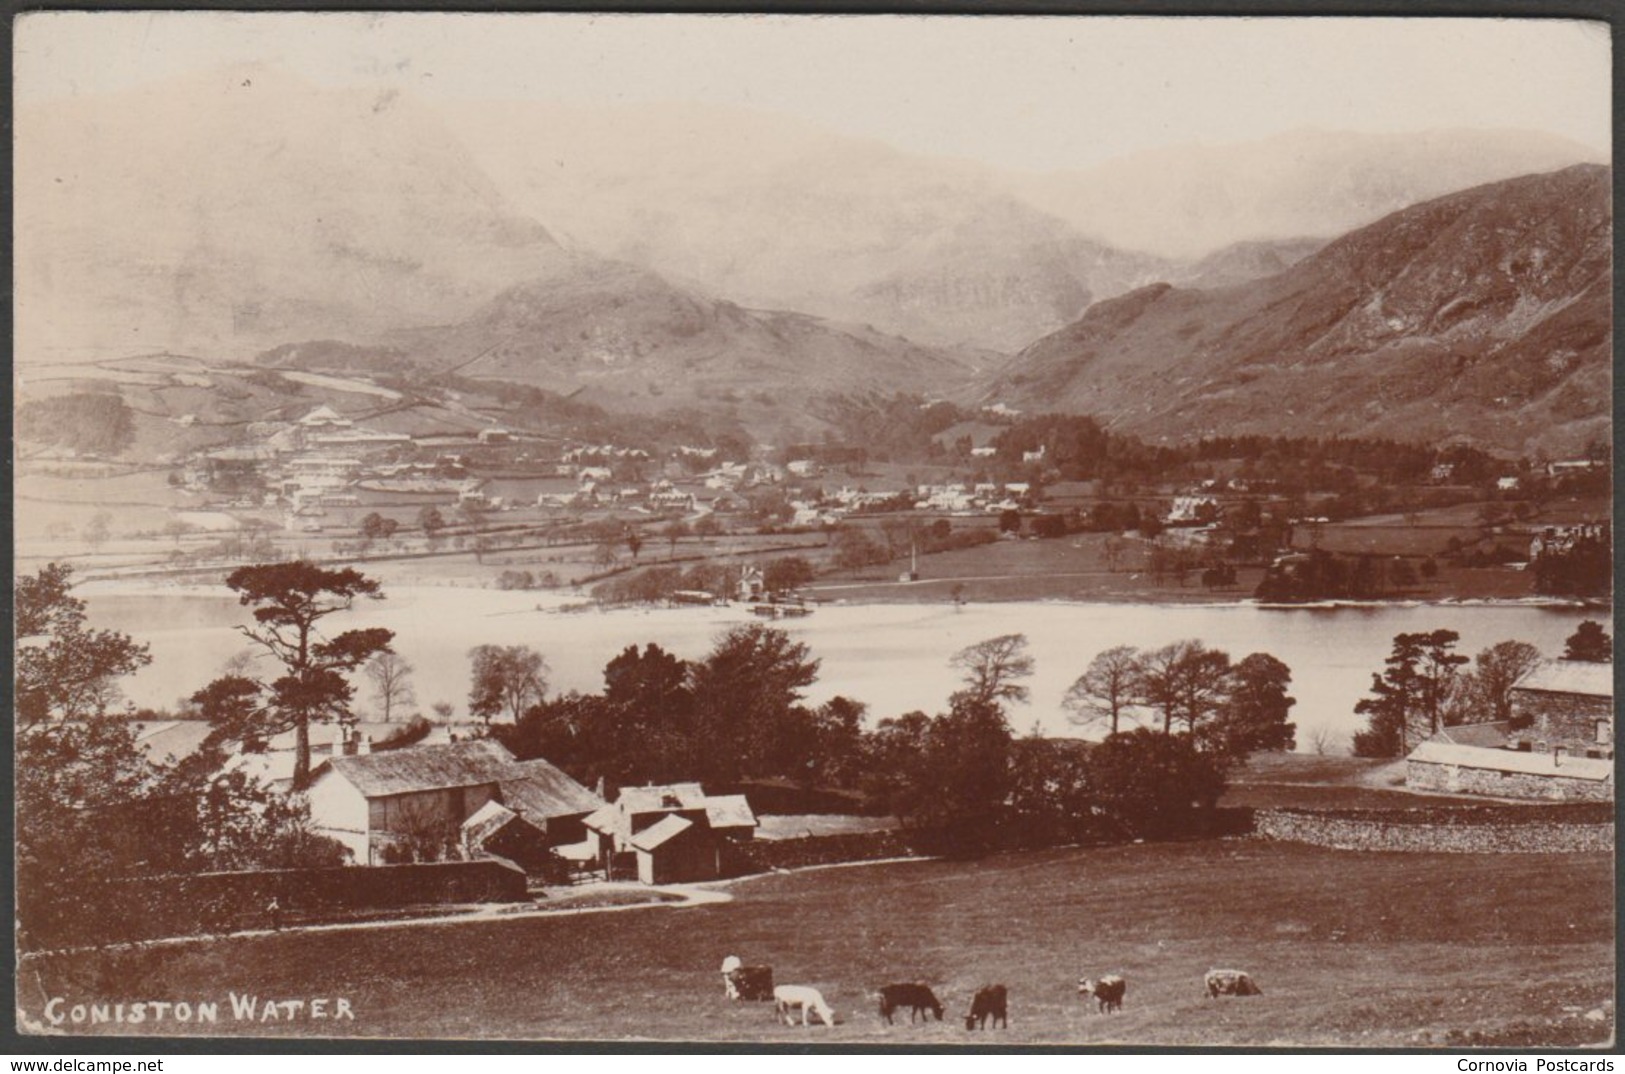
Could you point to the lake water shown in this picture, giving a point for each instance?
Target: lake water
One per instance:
(893, 657)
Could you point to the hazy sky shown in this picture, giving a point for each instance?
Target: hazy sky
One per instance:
(1038, 93)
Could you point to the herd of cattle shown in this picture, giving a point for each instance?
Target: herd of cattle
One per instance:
(989, 1004)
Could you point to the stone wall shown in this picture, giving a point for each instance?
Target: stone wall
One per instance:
(1561, 719)
(1459, 779)
(1438, 831)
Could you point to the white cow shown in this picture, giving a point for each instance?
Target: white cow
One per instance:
(786, 998)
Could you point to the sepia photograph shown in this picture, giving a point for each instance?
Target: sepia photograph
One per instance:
(779, 531)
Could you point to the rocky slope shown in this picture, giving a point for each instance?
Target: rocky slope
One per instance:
(1482, 316)
(1183, 202)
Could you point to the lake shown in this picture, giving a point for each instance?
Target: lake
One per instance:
(893, 657)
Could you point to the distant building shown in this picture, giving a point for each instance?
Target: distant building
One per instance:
(677, 833)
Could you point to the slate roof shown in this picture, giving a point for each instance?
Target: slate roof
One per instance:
(729, 811)
(532, 789)
(606, 818)
(661, 832)
(654, 799)
(1570, 677)
(1486, 735)
(424, 768)
(1529, 764)
(537, 789)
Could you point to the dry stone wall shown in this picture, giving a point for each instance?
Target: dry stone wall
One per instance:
(1440, 833)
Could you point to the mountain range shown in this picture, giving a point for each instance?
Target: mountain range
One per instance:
(720, 258)
(1482, 316)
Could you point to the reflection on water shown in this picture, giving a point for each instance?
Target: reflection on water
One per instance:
(893, 657)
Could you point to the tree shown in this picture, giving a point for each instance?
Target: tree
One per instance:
(1153, 783)
(376, 527)
(786, 573)
(992, 667)
(634, 543)
(391, 679)
(506, 679)
(431, 521)
(1489, 685)
(1589, 642)
(1253, 716)
(674, 531)
(1108, 689)
(744, 694)
(1410, 696)
(289, 601)
(64, 670)
(1186, 682)
(966, 775)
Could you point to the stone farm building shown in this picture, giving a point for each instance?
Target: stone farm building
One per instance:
(1558, 744)
(370, 801)
(676, 833)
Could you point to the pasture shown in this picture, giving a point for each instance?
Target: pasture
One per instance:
(1351, 950)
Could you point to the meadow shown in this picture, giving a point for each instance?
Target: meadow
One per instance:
(1351, 950)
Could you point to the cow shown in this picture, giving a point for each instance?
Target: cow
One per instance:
(916, 997)
(1108, 991)
(989, 1002)
(1230, 983)
(788, 998)
(740, 981)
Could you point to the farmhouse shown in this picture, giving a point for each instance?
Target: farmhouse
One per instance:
(1558, 744)
(372, 801)
(676, 833)
(1567, 703)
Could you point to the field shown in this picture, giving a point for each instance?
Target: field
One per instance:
(1351, 950)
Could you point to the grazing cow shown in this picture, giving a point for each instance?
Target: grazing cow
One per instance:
(1108, 991)
(1230, 983)
(787, 998)
(989, 1002)
(916, 997)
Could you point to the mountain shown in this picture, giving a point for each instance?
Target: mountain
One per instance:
(1482, 316)
(1187, 201)
(227, 211)
(1243, 261)
(621, 336)
(777, 212)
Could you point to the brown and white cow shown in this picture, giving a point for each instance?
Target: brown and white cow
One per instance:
(1108, 992)
(1230, 983)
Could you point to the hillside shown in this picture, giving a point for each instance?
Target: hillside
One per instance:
(1187, 201)
(1482, 316)
(229, 211)
(773, 211)
(624, 337)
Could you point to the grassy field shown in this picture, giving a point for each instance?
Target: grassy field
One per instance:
(1070, 568)
(1351, 950)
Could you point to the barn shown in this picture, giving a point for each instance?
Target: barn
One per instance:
(677, 833)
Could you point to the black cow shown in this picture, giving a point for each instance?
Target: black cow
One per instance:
(916, 997)
(1108, 992)
(989, 1002)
